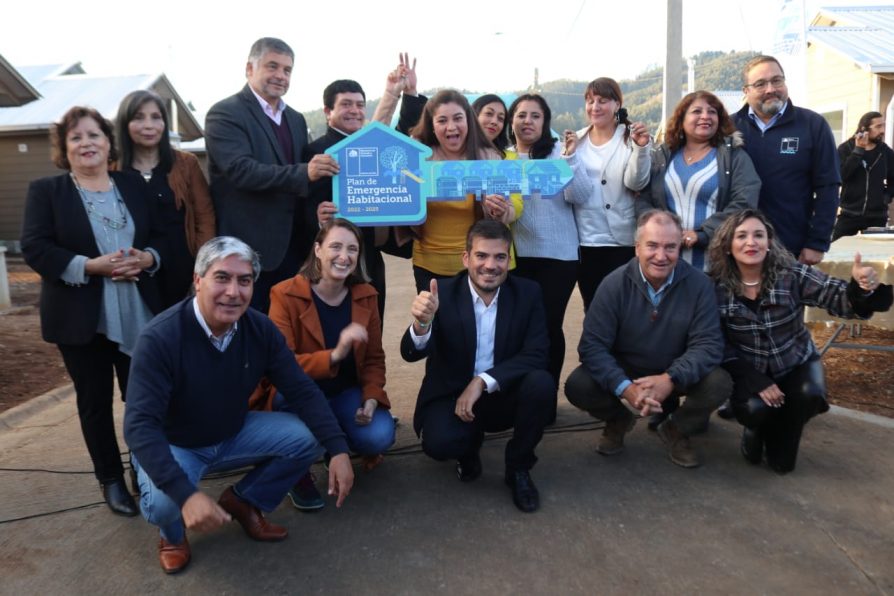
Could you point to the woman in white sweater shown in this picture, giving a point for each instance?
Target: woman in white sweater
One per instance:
(616, 156)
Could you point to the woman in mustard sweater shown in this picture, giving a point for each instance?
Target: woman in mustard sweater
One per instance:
(450, 127)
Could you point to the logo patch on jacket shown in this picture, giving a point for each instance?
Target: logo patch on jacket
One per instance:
(789, 145)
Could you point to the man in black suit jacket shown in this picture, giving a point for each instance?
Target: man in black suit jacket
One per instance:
(487, 359)
(255, 144)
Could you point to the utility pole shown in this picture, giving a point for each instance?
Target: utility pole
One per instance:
(690, 75)
(673, 60)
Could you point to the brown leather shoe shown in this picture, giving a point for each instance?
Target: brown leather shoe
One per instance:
(679, 450)
(173, 557)
(250, 518)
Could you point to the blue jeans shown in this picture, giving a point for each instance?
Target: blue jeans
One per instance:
(280, 445)
(370, 439)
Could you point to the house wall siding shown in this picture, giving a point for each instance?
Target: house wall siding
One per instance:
(17, 170)
(835, 82)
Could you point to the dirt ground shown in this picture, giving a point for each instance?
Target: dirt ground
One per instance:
(857, 379)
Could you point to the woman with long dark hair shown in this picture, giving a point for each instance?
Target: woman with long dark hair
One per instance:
(545, 235)
(174, 181)
(761, 293)
(450, 127)
(492, 119)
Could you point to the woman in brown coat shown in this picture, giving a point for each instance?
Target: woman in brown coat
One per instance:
(330, 319)
(174, 179)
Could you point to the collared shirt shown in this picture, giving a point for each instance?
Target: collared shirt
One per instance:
(222, 342)
(486, 327)
(760, 123)
(274, 114)
(655, 297)
(485, 332)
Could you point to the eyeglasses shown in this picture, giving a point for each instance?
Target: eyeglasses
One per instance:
(761, 84)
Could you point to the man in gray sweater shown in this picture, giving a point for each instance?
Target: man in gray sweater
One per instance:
(652, 335)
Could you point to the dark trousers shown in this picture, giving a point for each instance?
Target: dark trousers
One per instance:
(702, 398)
(556, 279)
(527, 407)
(375, 270)
(781, 428)
(287, 268)
(92, 367)
(595, 263)
(849, 225)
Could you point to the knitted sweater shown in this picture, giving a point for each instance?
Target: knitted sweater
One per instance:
(183, 391)
(546, 227)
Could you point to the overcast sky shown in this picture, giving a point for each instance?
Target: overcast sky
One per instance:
(481, 45)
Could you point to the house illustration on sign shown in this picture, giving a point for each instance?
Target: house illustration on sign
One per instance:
(544, 177)
(384, 178)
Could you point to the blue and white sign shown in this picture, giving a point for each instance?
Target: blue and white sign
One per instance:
(381, 180)
(386, 180)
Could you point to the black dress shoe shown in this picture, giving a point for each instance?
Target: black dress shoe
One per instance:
(119, 499)
(469, 468)
(524, 493)
(752, 445)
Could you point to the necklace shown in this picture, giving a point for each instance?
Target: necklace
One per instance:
(109, 223)
(698, 154)
(147, 176)
(751, 284)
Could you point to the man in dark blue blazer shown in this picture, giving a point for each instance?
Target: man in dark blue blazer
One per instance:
(255, 143)
(486, 367)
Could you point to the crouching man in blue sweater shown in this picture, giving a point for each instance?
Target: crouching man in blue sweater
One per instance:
(192, 372)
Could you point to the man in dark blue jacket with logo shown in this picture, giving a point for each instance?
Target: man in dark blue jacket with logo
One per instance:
(794, 153)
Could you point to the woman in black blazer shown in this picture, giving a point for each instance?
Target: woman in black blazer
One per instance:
(80, 234)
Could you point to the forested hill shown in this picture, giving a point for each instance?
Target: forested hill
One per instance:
(714, 71)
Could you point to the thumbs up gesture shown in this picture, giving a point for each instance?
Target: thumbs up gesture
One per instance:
(424, 307)
(865, 275)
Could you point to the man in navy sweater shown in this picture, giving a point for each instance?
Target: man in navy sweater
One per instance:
(192, 372)
(794, 153)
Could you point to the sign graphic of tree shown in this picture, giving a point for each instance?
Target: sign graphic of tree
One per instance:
(393, 159)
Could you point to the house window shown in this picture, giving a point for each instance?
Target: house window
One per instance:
(835, 119)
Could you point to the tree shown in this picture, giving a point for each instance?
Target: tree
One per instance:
(394, 159)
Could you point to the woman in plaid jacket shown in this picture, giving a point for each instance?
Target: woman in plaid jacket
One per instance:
(761, 293)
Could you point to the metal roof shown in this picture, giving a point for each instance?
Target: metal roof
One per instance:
(881, 17)
(864, 34)
(15, 89)
(62, 91)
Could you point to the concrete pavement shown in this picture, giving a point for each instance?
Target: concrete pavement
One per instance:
(634, 523)
(629, 524)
